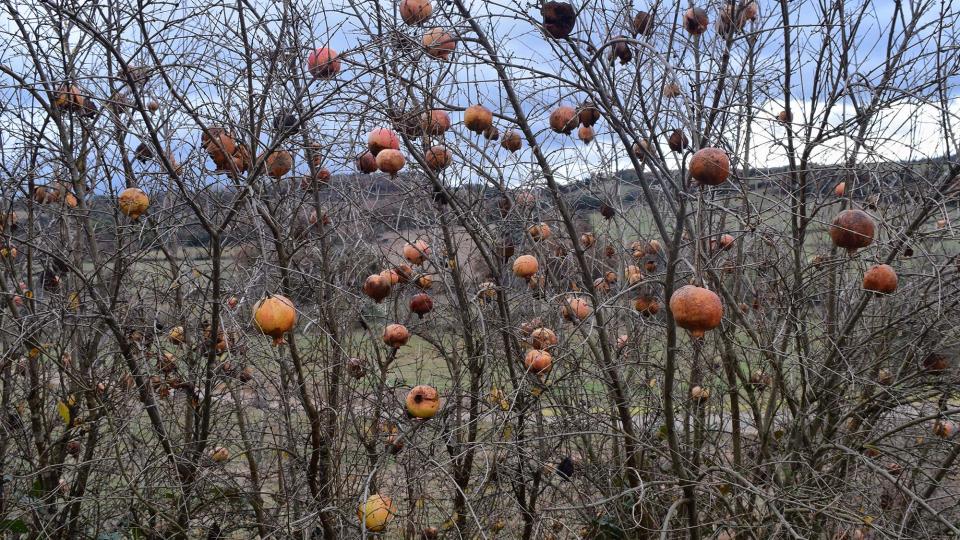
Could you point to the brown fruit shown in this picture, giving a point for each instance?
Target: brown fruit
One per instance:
(525, 266)
(840, 189)
(785, 117)
(390, 161)
(558, 19)
(275, 316)
(646, 305)
(588, 114)
(852, 230)
(696, 309)
(563, 119)
(586, 134)
(415, 12)
(377, 287)
(944, 428)
(587, 240)
(423, 281)
(540, 231)
(695, 21)
(477, 118)
(538, 361)
(396, 335)
(620, 50)
(491, 133)
(416, 252)
(367, 163)
(423, 401)
(699, 393)
(435, 122)
(439, 43)
(438, 157)
(279, 163)
(421, 304)
(726, 241)
(133, 202)
(671, 90)
(543, 338)
(880, 278)
(936, 363)
(356, 368)
(709, 166)
(642, 24)
(677, 141)
(575, 309)
(511, 141)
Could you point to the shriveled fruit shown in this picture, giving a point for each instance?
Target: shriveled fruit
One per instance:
(438, 157)
(642, 24)
(586, 134)
(696, 21)
(538, 361)
(367, 163)
(677, 141)
(279, 163)
(559, 19)
(563, 119)
(439, 43)
(543, 338)
(416, 252)
(511, 141)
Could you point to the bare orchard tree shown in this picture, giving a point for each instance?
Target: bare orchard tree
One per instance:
(477, 269)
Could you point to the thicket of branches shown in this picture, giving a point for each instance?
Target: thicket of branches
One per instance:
(140, 397)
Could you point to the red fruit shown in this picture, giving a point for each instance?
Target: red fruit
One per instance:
(382, 139)
(852, 229)
(421, 304)
(367, 163)
(880, 279)
(323, 63)
(709, 166)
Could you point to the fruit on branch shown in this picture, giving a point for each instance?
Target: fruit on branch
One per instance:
(936, 363)
(279, 163)
(390, 161)
(588, 114)
(69, 97)
(785, 117)
(54, 194)
(696, 309)
(220, 454)
(944, 428)
(176, 335)
(166, 362)
(439, 43)
(376, 512)
(699, 394)
(632, 274)
(620, 50)
(587, 240)
(526, 198)
(367, 163)
(743, 13)
(477, 118)
(642, 24)
(429, 533)
(586, 134)
(133, 202)
(677, 141)
(323, 63)
(852, 229)
(885, 377)
(671, 90)
(404, 273)
(726, 241)
(356, 368)
(435, 122)
(143, 153)
(538, 361)
(423, 401)
(391, 276)
(760, 380)
(564, 119)
(423, 281)
(396, 335)
(840, 189)
(559, 19)
(880, 278)
(414, 12)
(543, 338)
(525, 266)
(607, 211)
(285, 121)
(695, 21)
(382, 139)
(275, 315)
(377, 287)
(511, 141)
(539, 231)
(646, 305)
(438, 157)
(491, 133)
(416, 252)
(421, 304)
(575, 309)
(709, 166)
